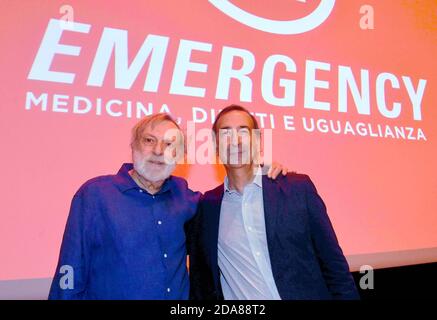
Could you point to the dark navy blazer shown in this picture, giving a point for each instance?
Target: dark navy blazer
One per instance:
(307, 261)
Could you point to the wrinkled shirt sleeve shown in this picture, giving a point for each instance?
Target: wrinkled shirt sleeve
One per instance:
(70, 279)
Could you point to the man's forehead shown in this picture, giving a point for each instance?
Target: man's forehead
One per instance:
(161, 130)
(226, 127)
(235, 119)
(159, 126)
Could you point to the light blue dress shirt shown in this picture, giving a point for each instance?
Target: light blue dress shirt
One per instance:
(243, 255)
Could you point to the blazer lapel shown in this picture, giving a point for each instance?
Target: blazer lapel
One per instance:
(214, 207)
(272, 205)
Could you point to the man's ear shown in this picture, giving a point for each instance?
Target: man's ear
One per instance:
(216, 142)
(257, 146)
(266, 144)
(185, 138)
(261, 143)
(186, 143)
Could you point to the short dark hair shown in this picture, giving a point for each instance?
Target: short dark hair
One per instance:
(233, 107)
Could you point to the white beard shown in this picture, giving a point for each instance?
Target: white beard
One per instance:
(149, 171)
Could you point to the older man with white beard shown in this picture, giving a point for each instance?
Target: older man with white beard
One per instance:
(125, 237)
(125, 234)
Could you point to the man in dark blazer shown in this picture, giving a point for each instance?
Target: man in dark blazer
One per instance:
(256, 238)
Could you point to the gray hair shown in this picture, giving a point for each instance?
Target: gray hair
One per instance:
(151, 120)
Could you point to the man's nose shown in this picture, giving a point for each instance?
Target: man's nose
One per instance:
(159, 148)
(235, 138)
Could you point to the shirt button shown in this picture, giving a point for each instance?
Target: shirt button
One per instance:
(140, 190)
(168, 290)
(159, 222)
(249, 228)
(165, 255)
(258, 253)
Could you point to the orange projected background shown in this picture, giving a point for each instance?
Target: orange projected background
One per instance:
(350, 95)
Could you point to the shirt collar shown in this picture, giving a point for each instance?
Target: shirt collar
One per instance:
(125, 182)
(257, 180)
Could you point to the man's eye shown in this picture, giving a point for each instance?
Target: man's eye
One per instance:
(225, 132)
(149, 140)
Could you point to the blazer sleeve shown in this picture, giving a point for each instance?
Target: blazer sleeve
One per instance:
(200, 281)
(333, 263)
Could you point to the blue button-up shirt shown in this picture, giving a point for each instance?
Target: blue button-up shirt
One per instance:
(121, 242)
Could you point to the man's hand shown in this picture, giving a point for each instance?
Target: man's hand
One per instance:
(275, 169)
